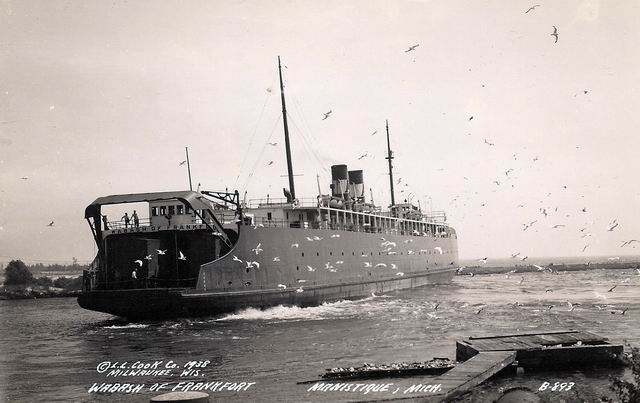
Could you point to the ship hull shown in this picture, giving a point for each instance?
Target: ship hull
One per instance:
(143, 304)
(302, 267)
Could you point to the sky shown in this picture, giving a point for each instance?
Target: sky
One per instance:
(490, 119)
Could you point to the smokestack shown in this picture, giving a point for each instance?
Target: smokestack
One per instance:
(356, 185)
(340, 180)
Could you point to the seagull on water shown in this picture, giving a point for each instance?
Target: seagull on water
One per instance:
(612, 288)
(299, 289)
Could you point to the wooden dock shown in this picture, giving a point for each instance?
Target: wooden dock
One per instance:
(485, 356)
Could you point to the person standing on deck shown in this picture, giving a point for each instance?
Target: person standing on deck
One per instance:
(105, 222)
(136, 221)
(126, 220)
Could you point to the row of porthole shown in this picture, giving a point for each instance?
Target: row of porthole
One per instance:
(380, 253)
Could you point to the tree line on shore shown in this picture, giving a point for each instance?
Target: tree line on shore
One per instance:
(18, 277)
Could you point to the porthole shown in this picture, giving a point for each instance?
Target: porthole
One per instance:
(317, 253)
(330, 253)
(297, 268)
(302, 254)
(230, 282)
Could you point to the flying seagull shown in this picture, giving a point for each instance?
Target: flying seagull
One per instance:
(182, 256)
(182, 163)
(326, 115)
(148, 257)
(50, 224)
(236, 259)
(257, 249)
(532, 8)
(412, 48)
(555, 33)
(488, 143)
(162, 252)
(362, 156)
(273, 144)
(138, 262)
(439, 249)
(612, 288)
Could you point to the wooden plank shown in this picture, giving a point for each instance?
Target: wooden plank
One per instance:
(483, 365)
(523, 334)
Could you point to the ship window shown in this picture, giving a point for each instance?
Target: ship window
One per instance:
(287, 216)
(187, 210)
(370, 253)
(154, 211)
(230, 282)
(317, 253)
(342, 253)
(247, 270)
(269, 216)
(179, 209)
(330, 253)
(172, 210)
(302, 254)
(163, 210)
(353, 253)
(297, 267)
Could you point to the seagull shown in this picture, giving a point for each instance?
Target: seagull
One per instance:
(270, 163)
(310, 268)
(558, 226)
(148, 257)
(381, 265)
(182, 256)
(50, 224)
(521, 280)
(471, 118)
(612, 225)
(24, 178)
(276, 259)
(614, 258)
(408, 241)
(326, 115)
(524, 258)
(625, 243)
(555, 33)
(394, 267)
(532, 8)
(362, 156)
(282, 286)
(309, 239)
(335, 236)
(273, 144)
(483, 260)
(302, 281)
(400, 274)
(317, 238)
(235, 258)
(373, 134)
(254, 263)
(138, 262)
(585, 248)
(412, 48)
(489, 143)
(367, 264)
(549, 307)
(506, 173)
(435, 306)
(549, 290)
(540, 268)
(258, 249)
(479, 310)
(339, 262)
(299, 289)
(162, 252)
(497, 183)
(514, 255)
(612, 288)
(182, 163)
(439, 249)
(295, 245)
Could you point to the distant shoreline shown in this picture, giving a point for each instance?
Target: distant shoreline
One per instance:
(528, 268)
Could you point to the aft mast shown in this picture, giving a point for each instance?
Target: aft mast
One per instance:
(286, 137)
(389, 157)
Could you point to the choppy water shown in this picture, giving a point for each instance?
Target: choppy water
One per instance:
(51, 348)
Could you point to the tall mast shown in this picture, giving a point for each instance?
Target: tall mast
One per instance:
(286, 135)
(389, 157)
